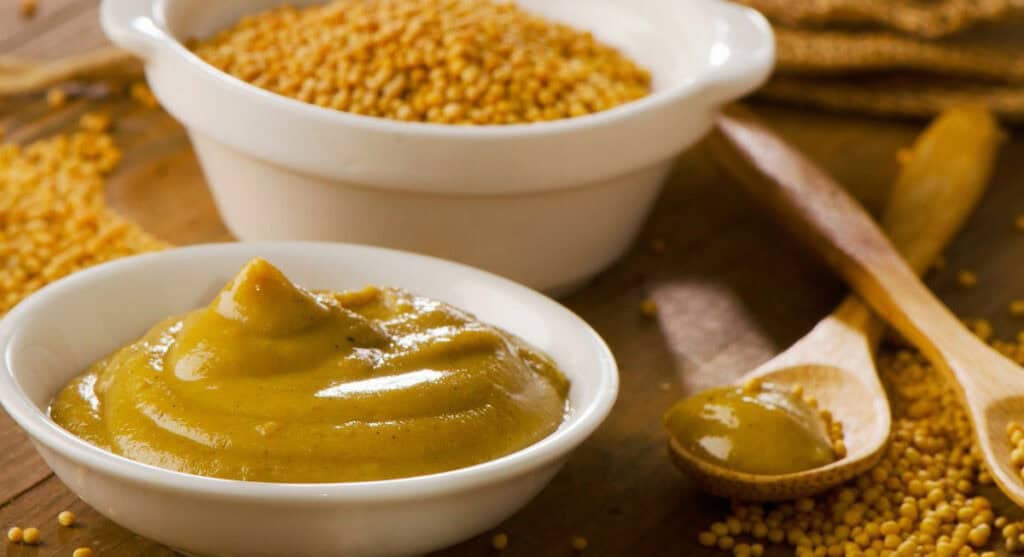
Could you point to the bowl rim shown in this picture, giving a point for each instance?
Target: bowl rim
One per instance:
(574, 430)
(692, 86)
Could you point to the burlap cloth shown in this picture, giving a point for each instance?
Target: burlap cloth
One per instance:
(898, 57)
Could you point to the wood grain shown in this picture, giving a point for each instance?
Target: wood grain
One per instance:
(732, 288)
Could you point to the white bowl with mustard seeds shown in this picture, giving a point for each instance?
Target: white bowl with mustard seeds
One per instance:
(54, 334)
(548, 204)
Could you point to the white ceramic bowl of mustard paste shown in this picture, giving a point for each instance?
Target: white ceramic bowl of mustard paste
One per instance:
(57, 332)
(547, 204)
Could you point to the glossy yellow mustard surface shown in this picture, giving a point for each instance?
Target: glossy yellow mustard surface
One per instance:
(763, 431)
(271, 382)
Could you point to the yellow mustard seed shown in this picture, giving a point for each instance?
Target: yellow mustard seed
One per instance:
(31, 536)
(66, 518)
(56, 97)
(55, 218)
(648, 308)
(141, 94)
(28, 8)
(966, 279)
(707, 539)
(466, 62)
(1018, 222)
(579, 543)
(82, 552)
(982, 328)
(919, 499)
(15, 534)
(97, 122)
(500, 542)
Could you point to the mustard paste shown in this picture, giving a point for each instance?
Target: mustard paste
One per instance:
(768, 430)
(271, 382)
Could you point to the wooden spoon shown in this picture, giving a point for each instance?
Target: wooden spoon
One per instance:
(835, 361)
(820, 212)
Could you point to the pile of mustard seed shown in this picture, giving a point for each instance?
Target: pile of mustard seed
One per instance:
(920, 500)
(441, 61)
(53, 216)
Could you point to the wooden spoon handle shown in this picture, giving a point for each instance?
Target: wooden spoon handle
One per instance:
(820, 212)
(943, 175)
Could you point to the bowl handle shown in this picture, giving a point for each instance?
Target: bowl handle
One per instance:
(129, 24)
(742, 55)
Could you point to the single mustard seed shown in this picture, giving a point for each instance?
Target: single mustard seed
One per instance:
(95, 122)
(56, 97)
(966, 279)
(648, 308)
(82, 552)
(579, 543)
(500, 542)
(142, 95)
(31, 536)
(15, 534)
(1017, 308)
(28, 8)
(1018, 222)
(66, 518)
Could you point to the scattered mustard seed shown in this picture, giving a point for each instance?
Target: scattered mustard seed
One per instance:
(14, 535)
(1017, 308)
(919, 500)
(441, 61)
(579, 543)
(55, 218)
(28, 8)
(500, 542)
(141, 94)
(1018, 222)
(66, 518)
(31, 536)
(966, 278)
(56, 97)
(97, 122)
(82, 552)
(981, 328)
(648, 308)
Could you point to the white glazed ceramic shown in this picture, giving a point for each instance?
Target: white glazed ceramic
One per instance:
(54, 334)
(547, 204)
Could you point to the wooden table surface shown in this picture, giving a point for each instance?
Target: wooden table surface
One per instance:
(733, 289)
